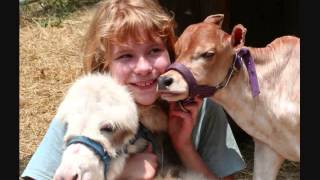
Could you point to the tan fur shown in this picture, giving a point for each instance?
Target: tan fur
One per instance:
(273, 117)
(154, 117)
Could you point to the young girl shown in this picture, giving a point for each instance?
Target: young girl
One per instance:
(133, 40)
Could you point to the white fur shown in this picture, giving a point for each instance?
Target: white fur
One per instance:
(92, 102)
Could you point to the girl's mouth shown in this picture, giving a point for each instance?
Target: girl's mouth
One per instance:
(144, 84)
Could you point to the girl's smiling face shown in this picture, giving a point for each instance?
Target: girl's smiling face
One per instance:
(138, 65)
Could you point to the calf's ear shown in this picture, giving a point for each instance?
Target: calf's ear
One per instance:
(216, 19)
(238, 36)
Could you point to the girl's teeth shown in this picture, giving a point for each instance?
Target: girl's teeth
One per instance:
(147, 83)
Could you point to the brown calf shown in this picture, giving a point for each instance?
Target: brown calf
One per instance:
(271, 117)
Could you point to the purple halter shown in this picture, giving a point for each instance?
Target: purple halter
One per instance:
(207, 91)
(194, 88)
(245, 55)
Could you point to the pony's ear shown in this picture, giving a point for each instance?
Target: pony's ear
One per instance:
(216, 19)
(238, 36)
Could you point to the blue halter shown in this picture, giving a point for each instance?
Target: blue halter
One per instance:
(96, 147)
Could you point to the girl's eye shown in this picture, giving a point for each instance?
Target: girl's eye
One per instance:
(207, 55)
(124, 56)
(155, 50)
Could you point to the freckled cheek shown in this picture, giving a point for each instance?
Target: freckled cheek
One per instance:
(120, 72)
(162, 63)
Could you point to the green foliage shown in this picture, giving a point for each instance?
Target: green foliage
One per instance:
(50, 12)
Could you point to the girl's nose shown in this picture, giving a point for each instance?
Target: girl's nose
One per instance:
(143, 66)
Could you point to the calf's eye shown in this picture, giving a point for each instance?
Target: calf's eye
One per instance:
(207, 55)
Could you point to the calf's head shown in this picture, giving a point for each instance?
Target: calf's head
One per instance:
(207, 51)
(98, 108)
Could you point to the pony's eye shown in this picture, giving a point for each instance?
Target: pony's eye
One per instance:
(66, 125)
(107, 128)
(207, 55)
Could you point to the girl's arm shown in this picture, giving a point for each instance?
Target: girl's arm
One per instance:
(180, 130)
(47, 157)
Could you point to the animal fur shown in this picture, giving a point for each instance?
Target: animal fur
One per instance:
(96, 106)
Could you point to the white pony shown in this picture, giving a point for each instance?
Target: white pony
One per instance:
(101, 118)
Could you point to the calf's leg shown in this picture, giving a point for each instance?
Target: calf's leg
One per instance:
(267, 162)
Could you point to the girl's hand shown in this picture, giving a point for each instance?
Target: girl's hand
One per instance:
(181, 123)
(141, 165)
(180, 128)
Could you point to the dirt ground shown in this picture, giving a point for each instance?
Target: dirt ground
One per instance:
(50, 60)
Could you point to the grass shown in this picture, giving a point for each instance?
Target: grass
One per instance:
(49, 62)
(50, 12)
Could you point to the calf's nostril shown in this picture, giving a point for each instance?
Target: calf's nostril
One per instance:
(164, 82)
(168, 81)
